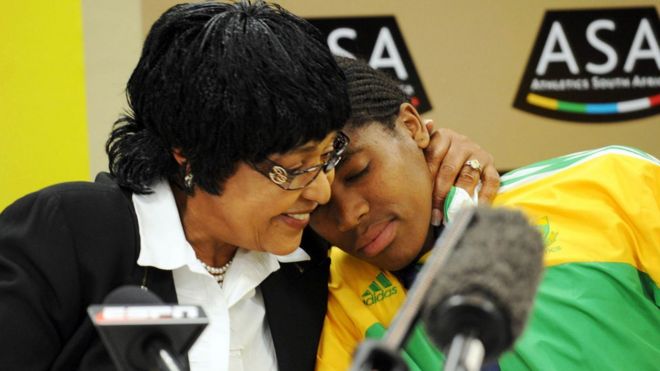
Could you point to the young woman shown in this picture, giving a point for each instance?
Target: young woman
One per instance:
(599, 213)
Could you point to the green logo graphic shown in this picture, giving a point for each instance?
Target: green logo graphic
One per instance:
(378, 290)
(549, 236)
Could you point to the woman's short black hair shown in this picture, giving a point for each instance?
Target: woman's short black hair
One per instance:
(224, 83)
(374, 96)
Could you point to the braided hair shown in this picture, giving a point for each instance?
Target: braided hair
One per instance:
(374, 96)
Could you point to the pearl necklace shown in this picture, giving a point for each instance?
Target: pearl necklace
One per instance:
(217, 272)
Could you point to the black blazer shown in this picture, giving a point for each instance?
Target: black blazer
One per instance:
(67, 246)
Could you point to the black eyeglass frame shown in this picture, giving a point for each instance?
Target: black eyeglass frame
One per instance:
(284, 178)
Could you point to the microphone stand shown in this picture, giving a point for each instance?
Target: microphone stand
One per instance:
(160, 354)
(384, 355)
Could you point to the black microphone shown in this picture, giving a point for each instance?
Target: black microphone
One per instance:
(142, 333)
(480, 249)
(481, 301)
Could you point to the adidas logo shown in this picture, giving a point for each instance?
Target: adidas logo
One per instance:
(379, 289)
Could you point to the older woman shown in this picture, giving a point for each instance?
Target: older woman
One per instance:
(229, 146)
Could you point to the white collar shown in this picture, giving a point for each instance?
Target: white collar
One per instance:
(162, 241)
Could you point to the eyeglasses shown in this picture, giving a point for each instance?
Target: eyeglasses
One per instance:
(290, 180)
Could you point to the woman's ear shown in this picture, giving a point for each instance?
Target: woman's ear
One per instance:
(178, 156)
(412, 122)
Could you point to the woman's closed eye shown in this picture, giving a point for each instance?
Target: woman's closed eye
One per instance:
(326, 156)
(353, 177)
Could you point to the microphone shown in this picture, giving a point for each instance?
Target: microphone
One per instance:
(482, 300)
(142, 333)
(490, 259)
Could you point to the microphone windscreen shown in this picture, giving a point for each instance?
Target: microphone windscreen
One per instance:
(130, 295)
(500, 257)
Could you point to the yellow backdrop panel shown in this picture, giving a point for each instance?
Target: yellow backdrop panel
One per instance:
(43, 134)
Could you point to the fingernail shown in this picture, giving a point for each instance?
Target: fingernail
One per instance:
(436, 217)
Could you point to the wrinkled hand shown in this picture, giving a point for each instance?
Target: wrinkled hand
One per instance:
(446, 155)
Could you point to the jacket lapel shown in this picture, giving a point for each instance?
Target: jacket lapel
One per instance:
(295, 297)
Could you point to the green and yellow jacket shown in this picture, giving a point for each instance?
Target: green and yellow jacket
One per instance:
(597, 307)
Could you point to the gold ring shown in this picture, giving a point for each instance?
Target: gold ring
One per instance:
(474, 164)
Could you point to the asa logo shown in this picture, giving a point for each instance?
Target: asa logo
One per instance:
(378, 290)
(596, 65)
(378, 41)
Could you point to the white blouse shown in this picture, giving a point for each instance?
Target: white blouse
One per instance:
(238, 337)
